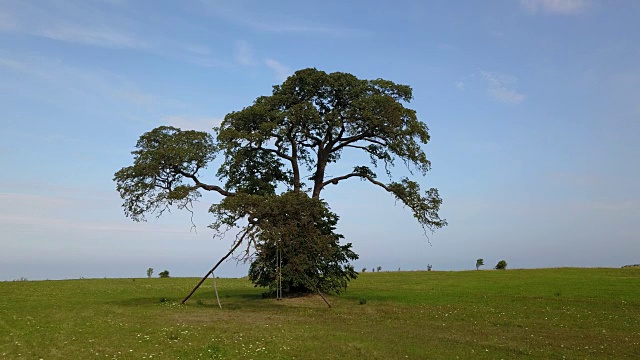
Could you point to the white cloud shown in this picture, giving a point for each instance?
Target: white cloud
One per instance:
(137, 97)
(91, 36)
(189, 123)
(615, 206)
(574, 179)
(460, 85)
(22, 67)
(6, 22)
(243, 53)
(282, 71)
(59, 213)
(274, 21)
(554, 6)
(68, 22)
(56, 78)
(199, 49)
(501, 87)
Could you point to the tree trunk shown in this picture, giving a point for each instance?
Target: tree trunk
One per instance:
(318, 177)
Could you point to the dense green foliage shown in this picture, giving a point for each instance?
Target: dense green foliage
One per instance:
(285, 143)
(298, 243)
(516, 314)
(479, 262)
(501, 265)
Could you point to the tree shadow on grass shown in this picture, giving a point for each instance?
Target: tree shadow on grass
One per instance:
(230, 300)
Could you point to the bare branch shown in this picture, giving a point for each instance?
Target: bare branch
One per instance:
(335, 180)
(201, 185)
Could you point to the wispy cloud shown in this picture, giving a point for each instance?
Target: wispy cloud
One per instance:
(57, 213)
(615, 206)
(501, 87)
(101, 36)
(137, 97)
(191, 123)
(460, 85)
(554, 6)
(282, 71)
(68, 81)
(85, 24)
(104, 23)
(275, 22)
(575, 179)
(22, 67)
(243, 53)
(198, 49)
(6, 22)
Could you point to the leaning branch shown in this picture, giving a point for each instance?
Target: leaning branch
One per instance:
(238, 242)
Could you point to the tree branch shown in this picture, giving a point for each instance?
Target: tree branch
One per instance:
(277, 152)
(360, 175)
(201, 185)
(348, 140)
(381, 143)
(238, 242)
(335, 180)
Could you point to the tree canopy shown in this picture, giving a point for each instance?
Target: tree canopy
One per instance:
(277, 150)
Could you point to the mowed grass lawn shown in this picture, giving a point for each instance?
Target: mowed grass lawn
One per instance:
(513, 314)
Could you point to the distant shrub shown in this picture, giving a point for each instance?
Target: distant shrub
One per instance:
(502, 265)
(479, 262)
(164, 274)
(149, 272)
(429, 266)
(364, 270)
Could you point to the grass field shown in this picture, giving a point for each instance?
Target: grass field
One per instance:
(538, 314)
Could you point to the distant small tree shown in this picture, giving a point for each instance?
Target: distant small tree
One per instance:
(502, 265)
(479, 262)
(164, 274)
(429, 266)
(379, 268)
(364, 270)
(149, 272)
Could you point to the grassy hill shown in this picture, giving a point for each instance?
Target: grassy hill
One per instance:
(537, 314)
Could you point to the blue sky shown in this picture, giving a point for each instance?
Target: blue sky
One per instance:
(533, 107)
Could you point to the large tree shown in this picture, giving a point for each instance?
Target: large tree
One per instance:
(284, 143)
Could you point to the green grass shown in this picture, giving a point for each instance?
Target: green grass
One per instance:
(537, 314)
